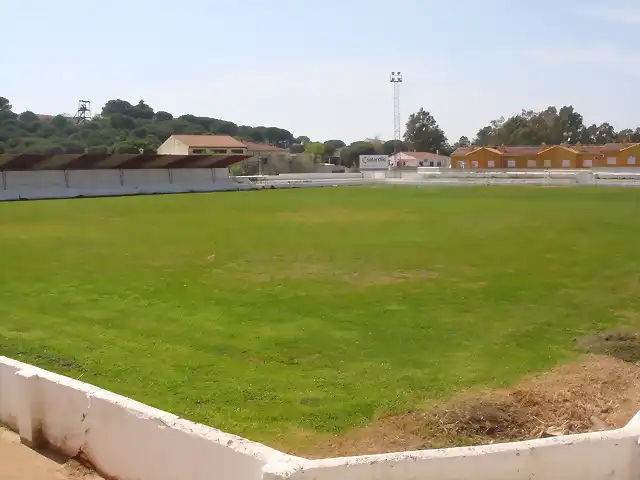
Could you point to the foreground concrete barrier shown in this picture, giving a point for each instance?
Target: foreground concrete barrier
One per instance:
(122, 438)
(126, 440)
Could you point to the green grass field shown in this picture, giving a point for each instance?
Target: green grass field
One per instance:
(271, 312)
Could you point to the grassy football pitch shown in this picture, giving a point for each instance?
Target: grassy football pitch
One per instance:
(314, 310)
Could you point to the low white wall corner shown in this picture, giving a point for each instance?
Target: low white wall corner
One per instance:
(283, 469)
(29, 412)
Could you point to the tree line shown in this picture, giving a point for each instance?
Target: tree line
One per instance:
(122, 127)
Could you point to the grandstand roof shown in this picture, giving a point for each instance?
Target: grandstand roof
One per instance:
(93, 161)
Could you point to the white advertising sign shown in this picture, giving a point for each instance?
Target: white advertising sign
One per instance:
(374, 162)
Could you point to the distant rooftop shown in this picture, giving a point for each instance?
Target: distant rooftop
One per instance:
(521, 150)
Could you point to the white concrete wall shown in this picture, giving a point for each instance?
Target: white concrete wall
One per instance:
(51, 184)
(613, 455)
(94, 180)
(173, 147)
(124, 439)
(203, 177)
(147, 181)
(76, 183)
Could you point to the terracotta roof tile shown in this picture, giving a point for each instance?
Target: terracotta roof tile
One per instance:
(616, 147)
(523, 150)
(462, 151)
(425, 155)
(263, 147)
(209, 141)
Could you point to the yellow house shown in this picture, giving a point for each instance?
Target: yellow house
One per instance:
(628, 155)
(543, 156)
(482, 157)
(558, 156)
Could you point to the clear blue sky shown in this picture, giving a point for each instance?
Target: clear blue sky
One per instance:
(321, 68)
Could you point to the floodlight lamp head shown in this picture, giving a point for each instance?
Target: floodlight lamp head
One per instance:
(396, 77)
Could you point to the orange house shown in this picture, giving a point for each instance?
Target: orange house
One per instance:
(543, 156)
(483, 157)
(558, 156)
(628, 155)
(520, 157)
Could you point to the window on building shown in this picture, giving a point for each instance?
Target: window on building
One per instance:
(491, 164)
(237, 150)
(511, 163)
(197, 151)
(611, 161)
(474, 164)
(588, 163)
(218, 151)
(631, 161)
(439, 164)
(547, 163)
(566, 163)
(531, 164)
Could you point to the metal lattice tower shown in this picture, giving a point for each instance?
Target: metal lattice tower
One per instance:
(83, 114)
(396, 79)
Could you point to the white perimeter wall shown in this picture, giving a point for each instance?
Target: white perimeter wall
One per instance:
(122, 438)
(125, 440)
(77, 183)
(61, 184)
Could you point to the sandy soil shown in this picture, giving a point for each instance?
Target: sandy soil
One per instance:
(18, 462)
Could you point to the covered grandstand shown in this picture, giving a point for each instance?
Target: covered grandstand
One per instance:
(33, 176)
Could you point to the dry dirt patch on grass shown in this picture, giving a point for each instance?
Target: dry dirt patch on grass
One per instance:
(307, 270)
(597, 393)
(344, 215)
(622, 345)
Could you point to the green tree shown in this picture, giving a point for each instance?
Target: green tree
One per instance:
(28, 117)
(315, 149)
(60, 122)
(144, 111)
(424, 134)
(389, 147)
(331, 146)
(350, 155)
(118, 121)
(462, 142)
(161, 116)
(625, 135)
(5, 104)
(605, 134)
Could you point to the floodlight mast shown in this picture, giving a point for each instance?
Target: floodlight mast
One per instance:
(396, 80)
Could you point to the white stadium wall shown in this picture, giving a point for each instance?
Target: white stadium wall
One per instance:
(124, 439)
(41, 184)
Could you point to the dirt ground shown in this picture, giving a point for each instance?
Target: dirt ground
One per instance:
(597, 393)
(18, 462)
